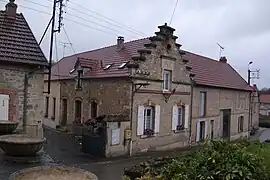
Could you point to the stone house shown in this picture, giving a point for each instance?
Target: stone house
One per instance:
(265, 104)
(22, 64)
(167, 97)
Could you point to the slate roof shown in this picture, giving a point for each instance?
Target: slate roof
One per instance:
(208, 71)
(17, 42)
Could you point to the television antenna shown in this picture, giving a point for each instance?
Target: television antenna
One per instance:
(221, 48)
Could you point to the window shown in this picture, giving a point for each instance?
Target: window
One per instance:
(123, 65)
(78, 110)
(108, 66)
(46, 107)
(149, 121)
(94, 107)
(79, 79)
(212, 129)
(54, 108)
(203, 104)
(240, 124)
(166, 80)
(202, 130)
(181, 118)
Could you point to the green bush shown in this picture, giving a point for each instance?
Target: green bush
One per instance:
(220, 160)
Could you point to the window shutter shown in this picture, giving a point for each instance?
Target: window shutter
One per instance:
(206, 129)
(202, 103)
(174, 117)
(140, 125)
(186, 116)
(157, 118)
(198, 131)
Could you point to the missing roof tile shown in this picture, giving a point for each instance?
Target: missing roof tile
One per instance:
(122, 65)
(107, 66)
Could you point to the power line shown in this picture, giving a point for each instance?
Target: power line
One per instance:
(122, 25)
(116, 25)
(69, 40)
(174, 11)
(38, 4)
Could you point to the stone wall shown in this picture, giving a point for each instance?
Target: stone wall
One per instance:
(111, 95)
(12, 83)
(218, 99)
(55, 93)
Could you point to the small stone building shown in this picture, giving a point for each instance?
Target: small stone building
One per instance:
(265, 104)
(171, 97)
(22, 64)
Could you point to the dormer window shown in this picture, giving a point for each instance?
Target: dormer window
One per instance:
(71, 71)
(79, 78)
(108, 66)
(122, 65)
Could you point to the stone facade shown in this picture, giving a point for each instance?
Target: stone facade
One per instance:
(12, 83)
(144, 94)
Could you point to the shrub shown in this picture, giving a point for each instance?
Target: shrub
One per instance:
(219, 160)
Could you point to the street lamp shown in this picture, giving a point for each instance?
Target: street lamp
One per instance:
(251, 62)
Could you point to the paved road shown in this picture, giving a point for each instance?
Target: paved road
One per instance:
(61, 149)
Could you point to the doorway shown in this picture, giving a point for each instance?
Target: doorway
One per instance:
(226, 122)
(78, 110)
(94, 109)
(64, 112)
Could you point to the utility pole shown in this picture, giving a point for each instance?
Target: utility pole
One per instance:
(55, 2)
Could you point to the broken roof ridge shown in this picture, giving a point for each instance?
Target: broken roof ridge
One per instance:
(105, 47)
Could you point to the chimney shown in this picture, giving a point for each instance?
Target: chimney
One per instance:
(11, 9)
(223, 59)
(120, 43)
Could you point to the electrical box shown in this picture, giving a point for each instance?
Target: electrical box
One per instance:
(127, 134)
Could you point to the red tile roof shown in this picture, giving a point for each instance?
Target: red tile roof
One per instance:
(208, 71)
(265, 98)
(17, 42)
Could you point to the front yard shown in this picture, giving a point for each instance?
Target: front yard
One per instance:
(219, 160)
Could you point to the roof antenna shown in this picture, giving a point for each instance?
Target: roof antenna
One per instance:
(221, 48)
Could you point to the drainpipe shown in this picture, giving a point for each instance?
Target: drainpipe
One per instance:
(131, 116)
(25, 89)
(250, 113)
(190, 111)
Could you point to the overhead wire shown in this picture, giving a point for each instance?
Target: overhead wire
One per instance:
(174, 11)
(116, 22)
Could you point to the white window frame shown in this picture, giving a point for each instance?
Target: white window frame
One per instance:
(167, 80)
(203, 101)
(198, 128)
(181, 116)
(152, 118)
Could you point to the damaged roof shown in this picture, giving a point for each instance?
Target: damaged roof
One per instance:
(17, 42)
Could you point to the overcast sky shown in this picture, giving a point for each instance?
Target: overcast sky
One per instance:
(241, 26)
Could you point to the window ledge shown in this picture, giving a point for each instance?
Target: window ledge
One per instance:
(166, 91)
(148, 136)
(180, 131)
(78, 89)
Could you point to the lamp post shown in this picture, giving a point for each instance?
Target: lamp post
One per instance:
(249, 71)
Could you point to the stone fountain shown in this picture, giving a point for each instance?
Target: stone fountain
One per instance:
(53, 173)
(8, 127)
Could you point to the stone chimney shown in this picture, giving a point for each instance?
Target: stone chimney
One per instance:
(120, 43)
(223, 59)
(11, 9)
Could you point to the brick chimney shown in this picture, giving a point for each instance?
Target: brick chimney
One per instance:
(11, 9)
(223, 59)
(120, 43)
